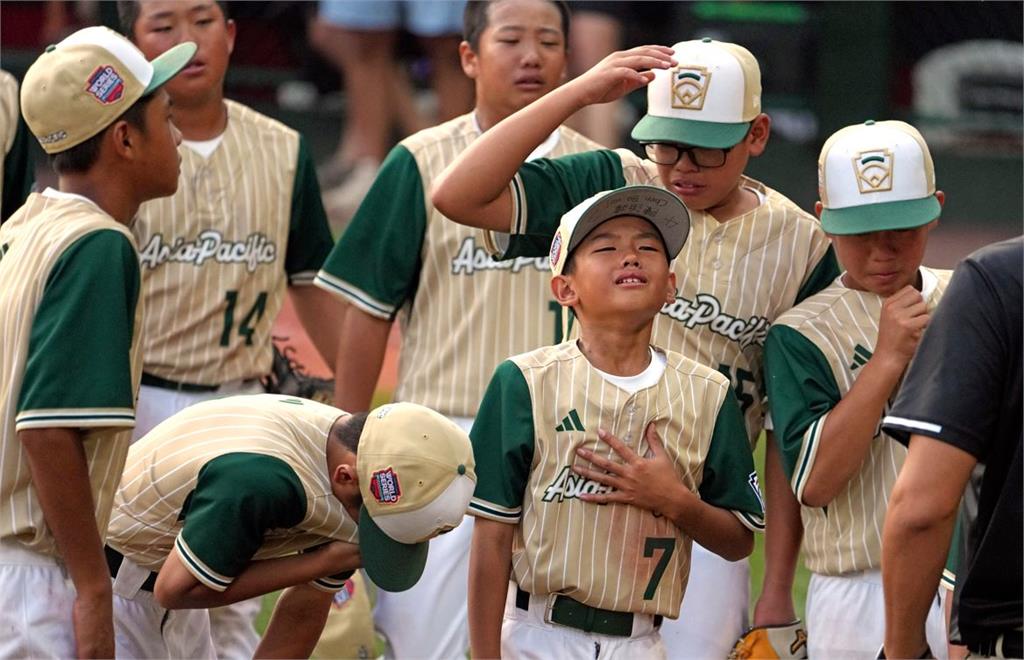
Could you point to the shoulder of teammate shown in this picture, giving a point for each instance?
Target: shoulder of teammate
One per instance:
(503, 442)
(375, 264)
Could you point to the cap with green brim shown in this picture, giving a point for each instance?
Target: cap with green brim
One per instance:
(416, 477)
(83, 84)
(876, 176)
(707, 100)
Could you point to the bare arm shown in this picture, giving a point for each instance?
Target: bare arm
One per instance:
(490, 565)
(783, 532)
(60, 477)
(361, 349)
(652, 484)
(473, 190)
(296, 624)
(178, 588)
(850, 426)
(916, 536)
(321, 316)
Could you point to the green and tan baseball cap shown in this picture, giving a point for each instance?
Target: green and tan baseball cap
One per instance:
(876, 176)
(416, 476)
(81, 85)
(708, 100)
(656, 205)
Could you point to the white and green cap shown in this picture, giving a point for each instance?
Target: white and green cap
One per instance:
(876, 176)
(656, 205)
(708, 100)
(81, 85)
(416, 476)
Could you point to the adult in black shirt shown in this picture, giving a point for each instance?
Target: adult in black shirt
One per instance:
(959, 410)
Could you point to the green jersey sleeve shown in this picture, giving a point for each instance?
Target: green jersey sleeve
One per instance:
(801, 391)
(545, 189)
(376, 263)
(730, 480)
(823, 274)
(502, 436)
(309, 235)
(18, 172)
(237, 498)
(78, 368)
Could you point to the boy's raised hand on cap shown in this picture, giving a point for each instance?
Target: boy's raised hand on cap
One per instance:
(621, 73)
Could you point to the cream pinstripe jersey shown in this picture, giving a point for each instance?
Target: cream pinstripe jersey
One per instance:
(544, 404)
(734, 278)
(9, 114)
(814, 354)
(460, 311)
(70, 328)
(216, 254)
(165, 467)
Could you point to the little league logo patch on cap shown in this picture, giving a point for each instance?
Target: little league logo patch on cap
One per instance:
(105, 85)
(556, 248)
(690, 87)
(873, 170)
(384, 486)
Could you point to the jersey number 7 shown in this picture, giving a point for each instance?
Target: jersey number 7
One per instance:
(667, 547)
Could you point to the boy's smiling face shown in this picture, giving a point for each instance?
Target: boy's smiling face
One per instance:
(620, 268)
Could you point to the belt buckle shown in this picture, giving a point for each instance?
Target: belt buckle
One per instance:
(549, 608)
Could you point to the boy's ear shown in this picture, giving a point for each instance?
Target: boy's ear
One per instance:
(670, 296)
(760, 129)
(468, 60)
(345, 475)
(819, 207)
(564, 291)
(941, 196)
(230, 30)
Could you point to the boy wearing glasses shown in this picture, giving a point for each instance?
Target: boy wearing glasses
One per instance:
(753, 254)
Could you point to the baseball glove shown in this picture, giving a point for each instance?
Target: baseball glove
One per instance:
(287, 376)
(785, 641)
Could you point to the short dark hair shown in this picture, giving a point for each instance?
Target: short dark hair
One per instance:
(476, 18)
(81, 157)
(347, 433)
(128, 13)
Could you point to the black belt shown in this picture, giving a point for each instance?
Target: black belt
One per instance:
(157, 381)
(1011, 646)
(114, 561)
(567, 611)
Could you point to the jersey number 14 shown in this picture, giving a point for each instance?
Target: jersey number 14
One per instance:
(249, 321)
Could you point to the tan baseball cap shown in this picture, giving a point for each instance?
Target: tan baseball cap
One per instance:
(876, 176)
(656, 205)
(81, 85)
(708, 100)
(416, 476)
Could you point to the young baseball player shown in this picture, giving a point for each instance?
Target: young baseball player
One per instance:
(241, 496)
(245, 226)
(460, 312)
(593, 579)
(70, 322)
(16, 171)
(833, 365)
(752, 256)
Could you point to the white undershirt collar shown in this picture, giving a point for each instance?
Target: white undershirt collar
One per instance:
(646, 378)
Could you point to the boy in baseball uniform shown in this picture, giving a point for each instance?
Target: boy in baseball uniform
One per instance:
(246, 227)
(16, 168)
(242, 496)
(834, 363)
(70, 320)
(594, 579)
(460, 312)
(753, 255)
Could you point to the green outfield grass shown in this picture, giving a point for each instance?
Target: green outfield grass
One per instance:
(756, 558)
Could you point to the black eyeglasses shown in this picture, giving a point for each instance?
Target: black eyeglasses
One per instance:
(669, 153)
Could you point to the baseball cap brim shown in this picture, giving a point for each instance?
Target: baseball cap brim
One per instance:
(656, 205)
(714, 135)
(904, 214)
(391, 565)
(168, 64)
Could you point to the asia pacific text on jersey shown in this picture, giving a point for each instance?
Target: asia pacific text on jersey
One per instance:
(253, 251)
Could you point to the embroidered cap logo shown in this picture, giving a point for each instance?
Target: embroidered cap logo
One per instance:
(874, 170)
(384, 486)
(105, 85)
(690, 87)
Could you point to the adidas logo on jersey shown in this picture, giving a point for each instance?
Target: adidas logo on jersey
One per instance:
(861, 356)
(571, 422)
(568, 486)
